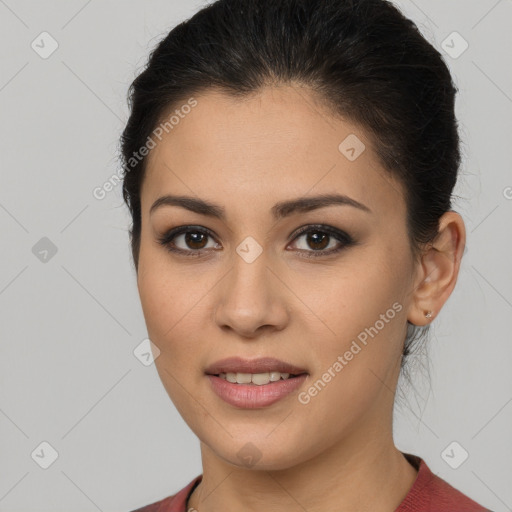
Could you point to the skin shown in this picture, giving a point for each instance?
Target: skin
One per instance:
(337, 451)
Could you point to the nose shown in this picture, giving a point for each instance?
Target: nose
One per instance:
(251, 300)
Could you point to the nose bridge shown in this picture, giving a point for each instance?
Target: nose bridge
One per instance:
(249, 280)
(249, 298)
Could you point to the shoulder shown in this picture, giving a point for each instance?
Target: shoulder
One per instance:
(175, 503)
(430, 492)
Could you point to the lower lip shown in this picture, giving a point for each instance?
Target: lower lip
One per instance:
(252, 396)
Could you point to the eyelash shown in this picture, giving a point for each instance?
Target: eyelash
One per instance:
(342, 237)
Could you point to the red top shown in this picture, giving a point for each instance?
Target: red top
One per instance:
(429, 493)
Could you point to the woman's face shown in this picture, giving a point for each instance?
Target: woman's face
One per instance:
(254, 287)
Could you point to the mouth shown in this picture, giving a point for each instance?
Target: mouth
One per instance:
(256, 383)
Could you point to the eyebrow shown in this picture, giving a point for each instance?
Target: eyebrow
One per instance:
(279, 210)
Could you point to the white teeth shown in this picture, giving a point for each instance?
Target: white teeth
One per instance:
(260, 378)
(255, 378)
(275, 376)
(243, 378)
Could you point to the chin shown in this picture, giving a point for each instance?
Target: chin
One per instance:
(261, 454)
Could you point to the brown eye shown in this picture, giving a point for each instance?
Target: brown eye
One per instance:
(188, 241)
(317, 240)
(321, 241)
(195, 240)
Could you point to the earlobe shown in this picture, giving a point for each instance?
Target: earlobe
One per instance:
(439, 269)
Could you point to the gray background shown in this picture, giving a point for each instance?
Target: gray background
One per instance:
(69, 322)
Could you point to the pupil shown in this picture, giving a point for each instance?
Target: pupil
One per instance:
(314, 239)
(192, 239)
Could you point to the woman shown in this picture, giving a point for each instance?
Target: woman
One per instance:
(289, 166)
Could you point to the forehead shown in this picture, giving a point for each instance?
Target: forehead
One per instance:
(281, 141)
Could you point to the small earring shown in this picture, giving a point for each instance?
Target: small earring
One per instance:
(428, 314)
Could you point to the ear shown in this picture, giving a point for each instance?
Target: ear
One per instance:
(438, 270)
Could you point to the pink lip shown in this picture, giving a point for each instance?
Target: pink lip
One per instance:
(252, 396)
(261, 365)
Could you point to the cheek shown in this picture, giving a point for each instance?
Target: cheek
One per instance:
(361, 294)
(168, 308)
(355, 368)
(162, 292)
(173, 303)
(155, 300)
(363, 322)
(367, 306)
(171, 321)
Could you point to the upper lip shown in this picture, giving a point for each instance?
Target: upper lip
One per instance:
(260, 365)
